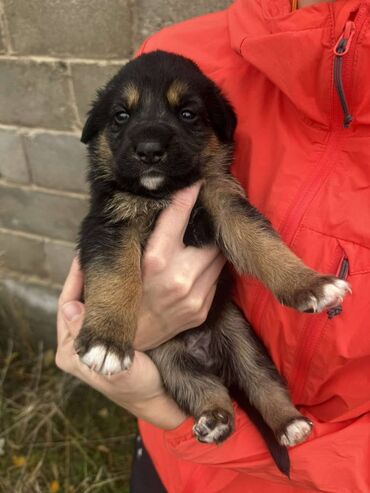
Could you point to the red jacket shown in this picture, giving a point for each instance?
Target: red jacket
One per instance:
(311, 177)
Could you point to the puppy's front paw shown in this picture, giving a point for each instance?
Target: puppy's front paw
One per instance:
(214, 426)
(321, 293)
(295, 432)
(105, 357)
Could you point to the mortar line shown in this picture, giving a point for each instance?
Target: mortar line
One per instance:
(25, 154)
(34, 236)
(73, 99)
(36, 130)
(53, 59)
(28, 279)
(50, 191)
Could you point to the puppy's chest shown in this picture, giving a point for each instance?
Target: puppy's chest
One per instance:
(143, 214)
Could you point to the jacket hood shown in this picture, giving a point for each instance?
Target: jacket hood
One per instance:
(273, 39)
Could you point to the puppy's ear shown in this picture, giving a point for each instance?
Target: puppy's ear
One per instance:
(91, 128)
(221, 114)
(98, 115)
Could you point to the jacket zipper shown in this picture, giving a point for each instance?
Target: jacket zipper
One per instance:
(340, 49)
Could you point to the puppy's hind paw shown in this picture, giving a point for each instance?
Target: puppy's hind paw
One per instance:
(213, 426)
(296, 431)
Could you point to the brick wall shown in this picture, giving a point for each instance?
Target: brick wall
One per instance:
(54, 54)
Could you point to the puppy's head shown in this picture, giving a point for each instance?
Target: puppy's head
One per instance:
(155, 126)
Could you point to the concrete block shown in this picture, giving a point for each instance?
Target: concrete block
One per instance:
(2, 44)
(82, 28)
(35, 94)
(166, 12)
(57, 161)
(22, 254)
(87, 79)
(13, 164)
(46, 214)
(59, 257)
(27, 313)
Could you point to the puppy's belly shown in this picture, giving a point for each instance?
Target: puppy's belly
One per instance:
(198, 344)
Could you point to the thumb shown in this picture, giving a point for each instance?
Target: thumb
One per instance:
(73, 315)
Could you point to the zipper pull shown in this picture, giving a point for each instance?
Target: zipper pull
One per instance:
(344, 42)
(340, 49)
(342, 274)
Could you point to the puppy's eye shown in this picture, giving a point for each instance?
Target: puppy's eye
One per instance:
(187, 115)
(121, 117)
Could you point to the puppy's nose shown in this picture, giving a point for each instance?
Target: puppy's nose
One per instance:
(150, 152)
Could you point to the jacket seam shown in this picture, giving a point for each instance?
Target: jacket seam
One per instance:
(334, 236)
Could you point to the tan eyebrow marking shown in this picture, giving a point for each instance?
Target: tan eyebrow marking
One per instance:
(131, 95)
(175, 92)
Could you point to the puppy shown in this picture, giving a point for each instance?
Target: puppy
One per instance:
(158, 126)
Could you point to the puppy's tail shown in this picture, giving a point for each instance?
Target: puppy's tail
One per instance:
(278, 452)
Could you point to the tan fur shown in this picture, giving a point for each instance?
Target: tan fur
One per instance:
(105, 157)
(257, 376)
(248, 244)
(197, 392)
(175, 92)
(127, 206)
(131, 96)
(113, 296)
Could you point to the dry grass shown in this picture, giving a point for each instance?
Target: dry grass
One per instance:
(57, 435)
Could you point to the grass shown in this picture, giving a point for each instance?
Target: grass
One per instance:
(56, 434)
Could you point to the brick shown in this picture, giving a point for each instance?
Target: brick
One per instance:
(41, 213)
(83, 28)
(87, 78)
(59, 257)
(27, 312)
(22, 254)
(166, 12)
(13, 164)
(57, 161)
(35, 94)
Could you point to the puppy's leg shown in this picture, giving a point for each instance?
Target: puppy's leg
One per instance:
(249, 242)
(112, 296)
(252, 370)
(196, 391)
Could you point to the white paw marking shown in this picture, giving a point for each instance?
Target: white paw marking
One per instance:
(99, 359)
(333, 294)
(211, 436)
(152, 182)
(296, 432)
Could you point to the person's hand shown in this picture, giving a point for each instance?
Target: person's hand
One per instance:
(139, 390)
(179, 282)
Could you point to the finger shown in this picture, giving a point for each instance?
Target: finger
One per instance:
(69, 320)
(172, 222)
(201, 316)
(72, 289)
(195, 262)
(209, 275)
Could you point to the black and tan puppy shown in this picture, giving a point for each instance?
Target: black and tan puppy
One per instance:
(159, 126)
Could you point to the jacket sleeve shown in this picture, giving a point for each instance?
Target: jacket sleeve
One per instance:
(335, 459)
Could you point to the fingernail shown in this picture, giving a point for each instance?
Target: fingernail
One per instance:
(72, 310)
